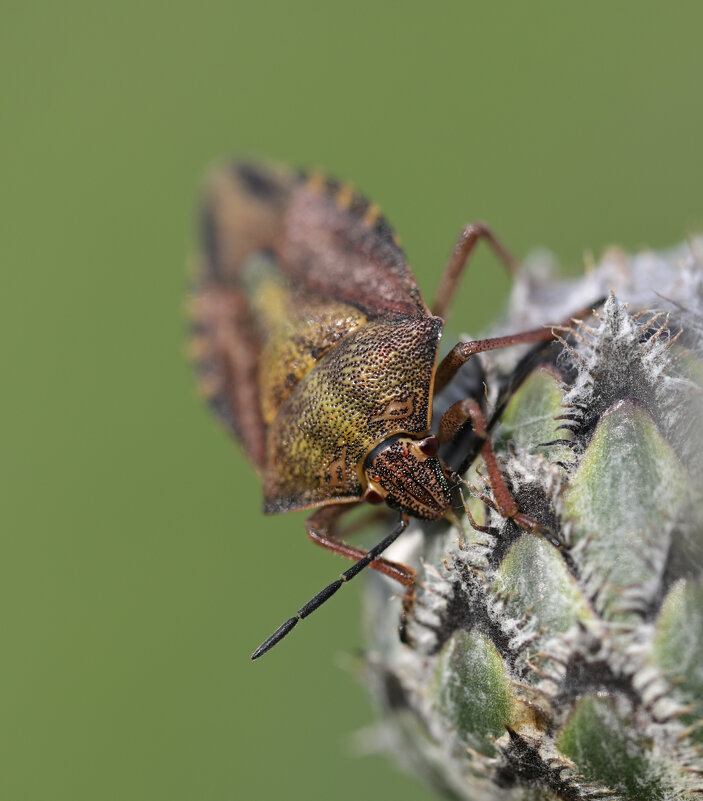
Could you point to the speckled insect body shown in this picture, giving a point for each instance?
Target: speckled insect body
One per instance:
(314, 346)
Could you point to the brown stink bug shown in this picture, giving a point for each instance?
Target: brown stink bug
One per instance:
(314, 345)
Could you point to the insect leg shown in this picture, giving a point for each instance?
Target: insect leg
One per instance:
(330, 589)
(505, 504)
(470, 236)
(463, 351)
(503, 499)
(456, 416)
(322, 530)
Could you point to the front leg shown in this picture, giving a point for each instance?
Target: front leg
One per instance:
(322, 530)
(469, 410)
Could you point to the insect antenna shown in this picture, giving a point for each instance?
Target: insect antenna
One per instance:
(329, 590)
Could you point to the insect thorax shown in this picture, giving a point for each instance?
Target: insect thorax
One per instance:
(375, 383)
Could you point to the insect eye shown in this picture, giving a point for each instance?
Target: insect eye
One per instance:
(429, 446)
(371, 496)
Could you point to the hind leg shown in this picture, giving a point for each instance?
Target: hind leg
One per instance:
(470, 236)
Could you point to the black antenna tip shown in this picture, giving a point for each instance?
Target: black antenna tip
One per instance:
(276, 637)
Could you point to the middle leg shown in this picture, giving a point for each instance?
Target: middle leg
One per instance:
(463, 351)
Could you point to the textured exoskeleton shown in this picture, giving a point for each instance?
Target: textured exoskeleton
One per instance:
(313, 344)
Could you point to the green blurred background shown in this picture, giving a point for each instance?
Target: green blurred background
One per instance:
(137, 571)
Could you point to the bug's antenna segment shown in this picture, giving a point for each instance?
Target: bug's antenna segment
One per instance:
(329, 590)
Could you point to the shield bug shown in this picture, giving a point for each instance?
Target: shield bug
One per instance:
(314, 346)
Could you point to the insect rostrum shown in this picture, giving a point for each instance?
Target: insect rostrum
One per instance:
(315, 347)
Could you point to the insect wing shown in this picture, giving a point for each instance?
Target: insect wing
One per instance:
(337, 244)
(295, 329)
(241, 217)
(310, 336)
